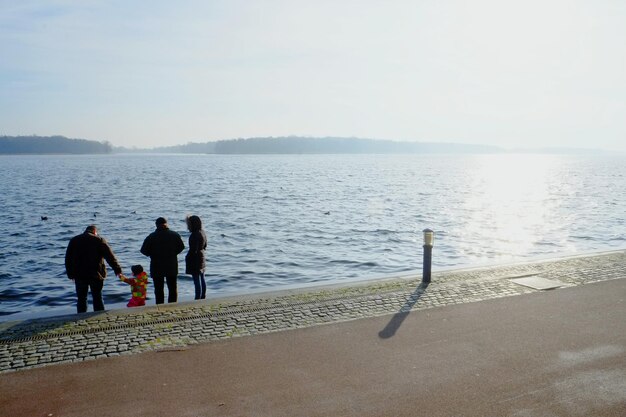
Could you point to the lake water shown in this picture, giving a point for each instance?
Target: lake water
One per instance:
(284, 220)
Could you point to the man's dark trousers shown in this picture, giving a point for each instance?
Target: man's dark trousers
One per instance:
(82, 289)
(159, 285)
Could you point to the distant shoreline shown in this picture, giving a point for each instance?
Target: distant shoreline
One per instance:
(291, 145)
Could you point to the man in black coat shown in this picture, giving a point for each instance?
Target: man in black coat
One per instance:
(84, 264)
(163, 246)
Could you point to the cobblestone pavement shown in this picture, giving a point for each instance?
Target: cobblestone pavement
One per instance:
(75, 338)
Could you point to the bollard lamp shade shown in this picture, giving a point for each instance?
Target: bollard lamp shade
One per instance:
(429, 237)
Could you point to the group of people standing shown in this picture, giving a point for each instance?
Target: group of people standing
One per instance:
(86, 253)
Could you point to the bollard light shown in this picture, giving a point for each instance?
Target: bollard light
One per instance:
(429, 237)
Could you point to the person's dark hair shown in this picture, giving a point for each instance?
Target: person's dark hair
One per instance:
(136, 269)
(194, 223)
(91, 229)
(160, 221)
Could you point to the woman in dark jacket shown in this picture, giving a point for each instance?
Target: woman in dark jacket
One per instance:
(194, 261)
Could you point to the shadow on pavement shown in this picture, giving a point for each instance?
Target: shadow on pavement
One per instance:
(396, 321)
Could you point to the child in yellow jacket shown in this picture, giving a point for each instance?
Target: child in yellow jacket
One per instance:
(139, 286)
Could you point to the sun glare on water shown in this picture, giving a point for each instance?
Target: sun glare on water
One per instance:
(509, 199)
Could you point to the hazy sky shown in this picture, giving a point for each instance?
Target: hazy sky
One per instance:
(508, 73)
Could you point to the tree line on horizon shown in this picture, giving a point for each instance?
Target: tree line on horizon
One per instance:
(51, 145)
(34, 144)
(260, 145)
(314, 145)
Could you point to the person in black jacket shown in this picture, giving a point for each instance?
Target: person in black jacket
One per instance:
(194, 261)
(163, 246)
(84, 264)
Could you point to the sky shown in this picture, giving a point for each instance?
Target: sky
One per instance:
(532, 73)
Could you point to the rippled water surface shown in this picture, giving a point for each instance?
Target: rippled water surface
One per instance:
(294, 219)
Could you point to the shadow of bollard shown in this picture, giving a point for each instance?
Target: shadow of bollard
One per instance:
(396, 321)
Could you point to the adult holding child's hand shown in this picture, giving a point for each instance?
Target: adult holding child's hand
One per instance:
(84, 264)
